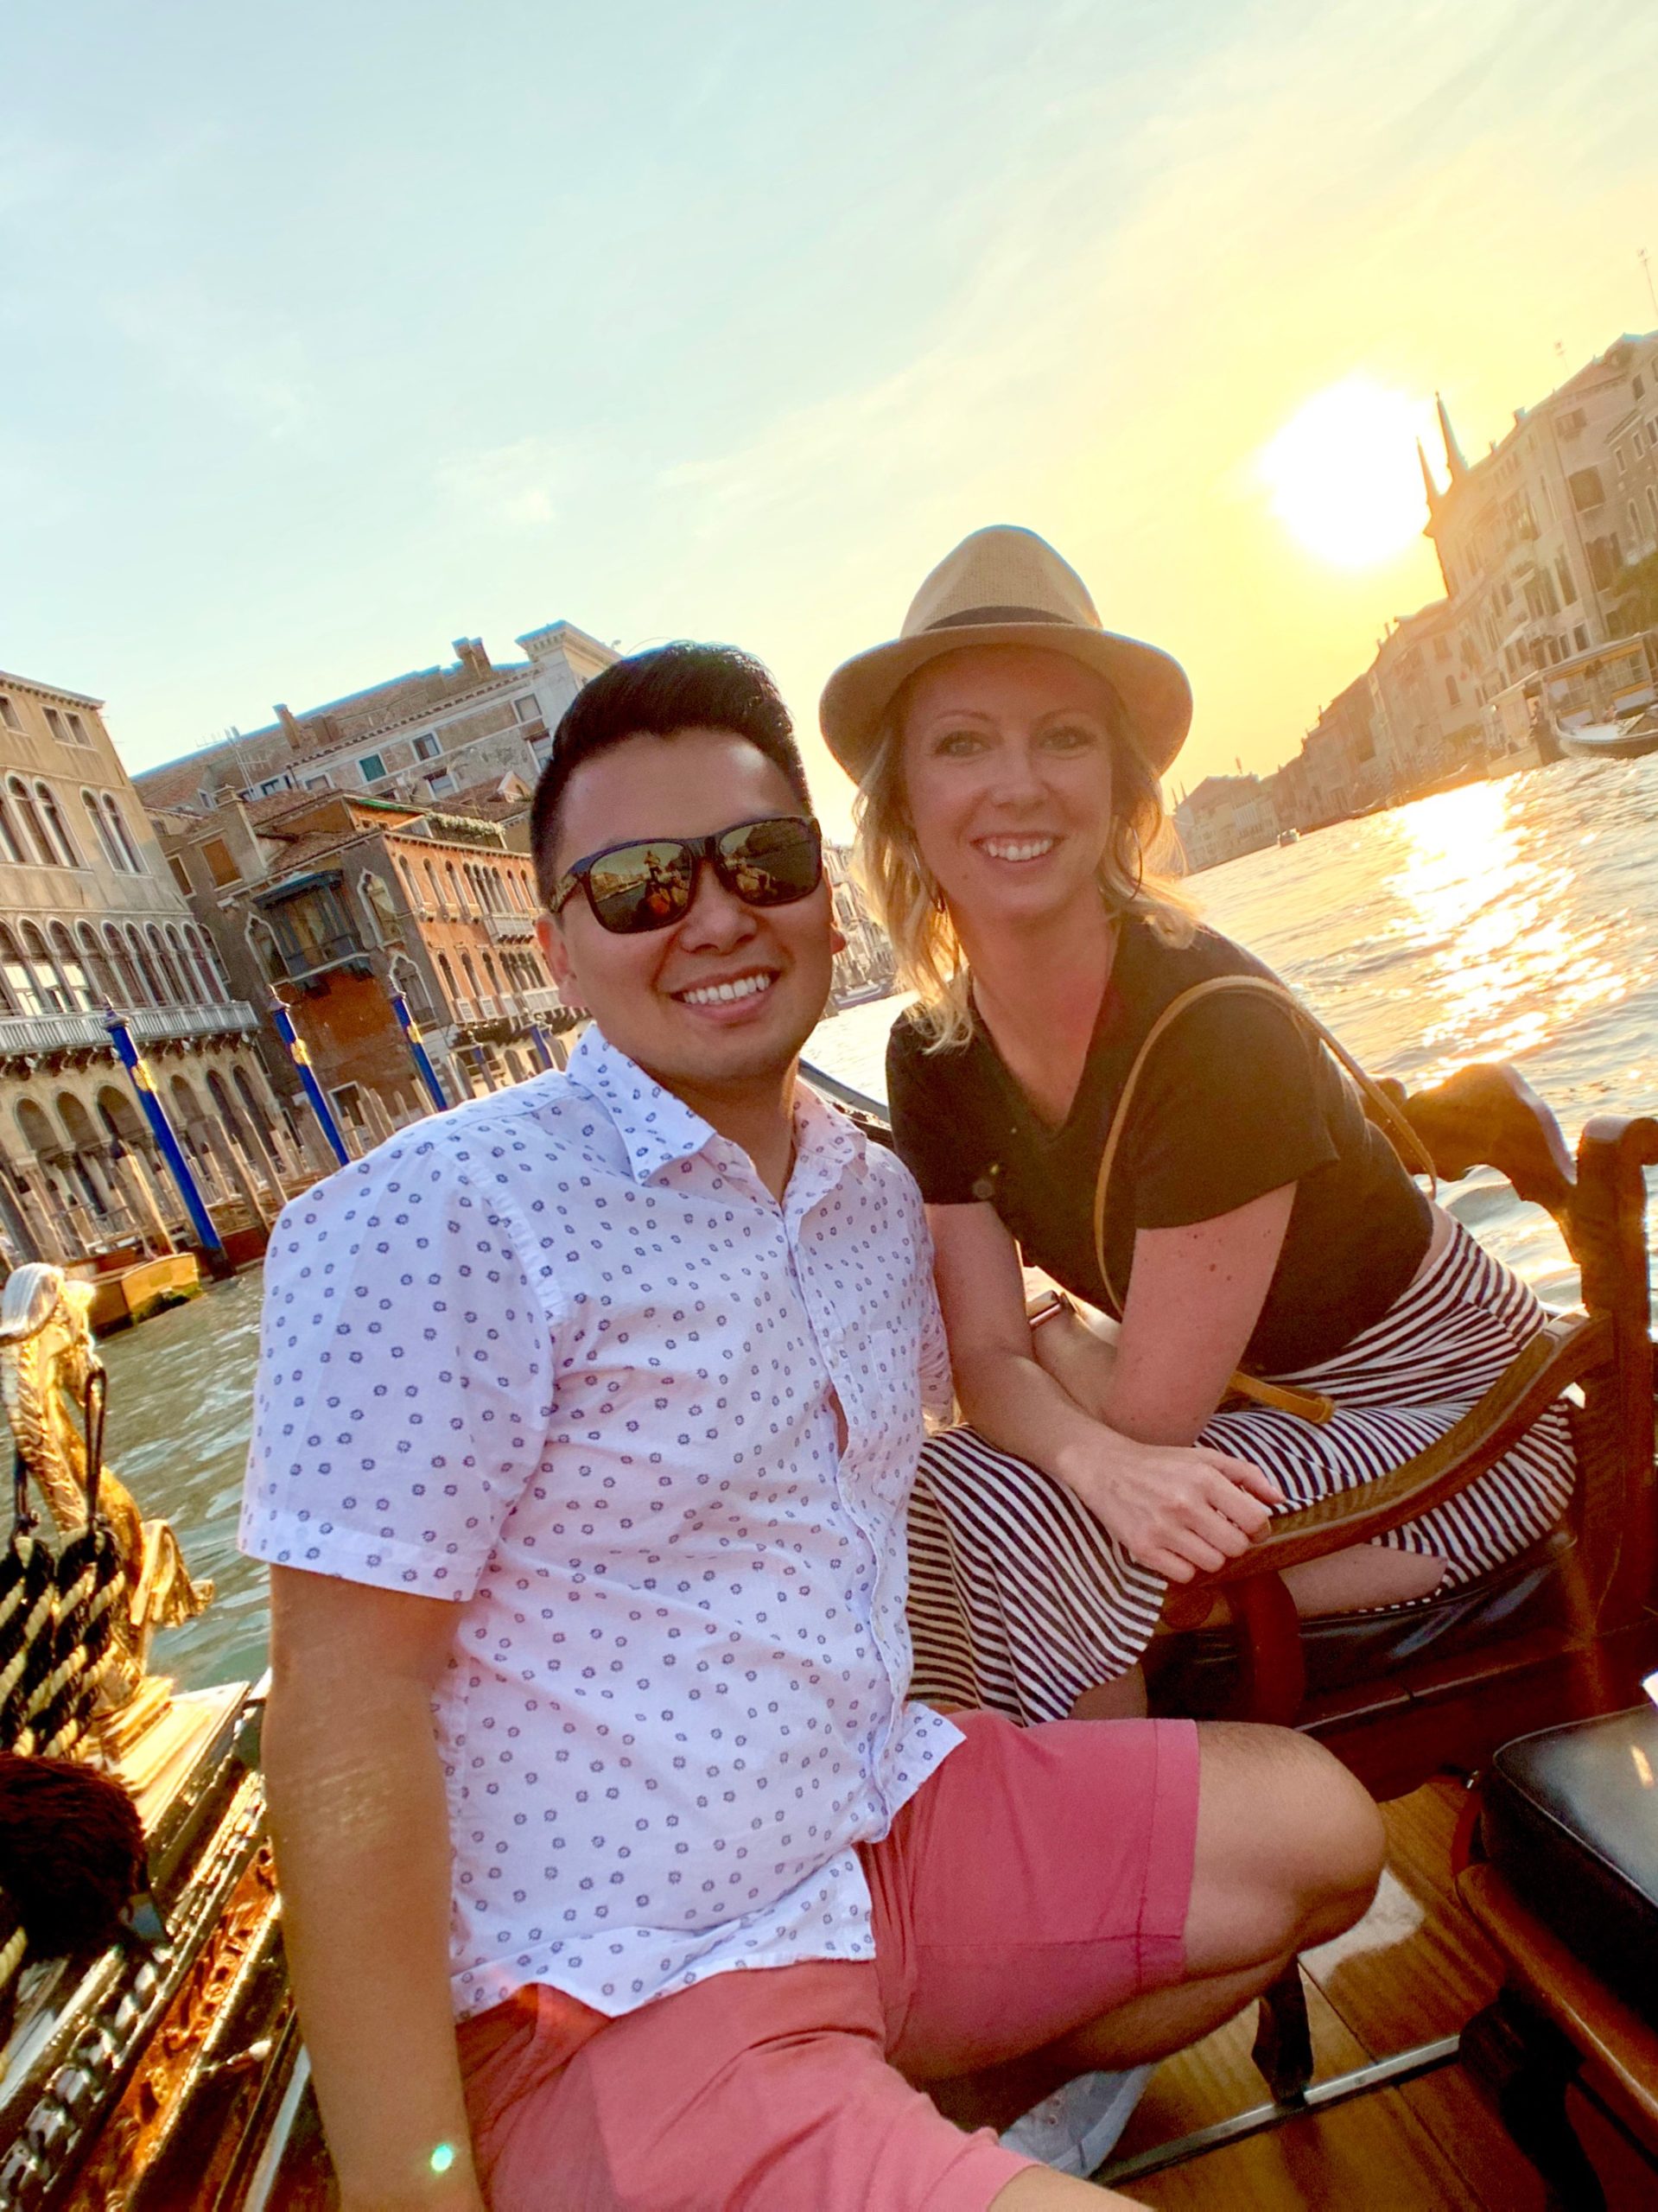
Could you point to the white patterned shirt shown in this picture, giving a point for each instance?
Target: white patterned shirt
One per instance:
(560, 1357)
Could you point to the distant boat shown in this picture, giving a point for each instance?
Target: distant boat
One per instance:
(1289, 836)
(1620, 741)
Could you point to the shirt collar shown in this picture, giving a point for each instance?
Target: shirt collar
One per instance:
(659, 1129)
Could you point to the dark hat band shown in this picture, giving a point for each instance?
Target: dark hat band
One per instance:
(976, 617)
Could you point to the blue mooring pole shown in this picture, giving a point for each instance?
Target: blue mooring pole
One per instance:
(421, 1059)
(543, 1049)
(212, 1243)
(283, 1023)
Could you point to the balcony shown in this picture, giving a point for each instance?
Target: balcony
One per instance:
(32, 1034)
(510, 929)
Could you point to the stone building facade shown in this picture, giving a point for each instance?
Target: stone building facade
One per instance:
(427, 736)
(334, 901)
(1532, 538)
(865, 966)
(90, 919)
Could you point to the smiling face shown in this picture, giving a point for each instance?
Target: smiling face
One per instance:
(719, 1003)
(1006, 766)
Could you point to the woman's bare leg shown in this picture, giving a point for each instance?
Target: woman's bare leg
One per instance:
(1121, 1699)
(1361, 1578)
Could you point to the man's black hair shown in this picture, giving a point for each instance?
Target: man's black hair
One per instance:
(656, 694)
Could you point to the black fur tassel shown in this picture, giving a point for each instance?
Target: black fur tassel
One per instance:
(72, 1853)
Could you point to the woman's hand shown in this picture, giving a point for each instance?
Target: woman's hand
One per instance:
(1181, 1510)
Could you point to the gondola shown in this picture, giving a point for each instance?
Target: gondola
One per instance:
(1627, 739)
(1489, 2036)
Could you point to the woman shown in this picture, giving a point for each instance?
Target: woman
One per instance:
(1007, 751)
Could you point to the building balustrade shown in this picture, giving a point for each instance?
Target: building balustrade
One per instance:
(80, 1032)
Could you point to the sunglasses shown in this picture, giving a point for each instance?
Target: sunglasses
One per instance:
(650, 885)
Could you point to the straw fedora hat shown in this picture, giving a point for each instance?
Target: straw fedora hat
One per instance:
(1005, 586)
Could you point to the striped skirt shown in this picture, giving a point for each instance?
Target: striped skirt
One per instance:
(1019, 1599)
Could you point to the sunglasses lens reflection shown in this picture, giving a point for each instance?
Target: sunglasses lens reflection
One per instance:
(641, 887)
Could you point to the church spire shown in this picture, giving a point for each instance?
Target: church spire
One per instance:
(1453, 459)
(1428, 484)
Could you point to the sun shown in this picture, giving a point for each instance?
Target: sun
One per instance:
(1342, 474)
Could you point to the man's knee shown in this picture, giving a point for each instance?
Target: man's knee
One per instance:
(1289, 1846)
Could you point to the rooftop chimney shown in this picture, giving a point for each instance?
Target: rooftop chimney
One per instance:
(469, 651)
(297, 736)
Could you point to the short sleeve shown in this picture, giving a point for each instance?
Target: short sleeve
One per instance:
(1233, 1103)
(937, 1382)
(404, 1378)
(932, 1133)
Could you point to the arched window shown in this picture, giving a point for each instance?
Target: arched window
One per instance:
(437, 895)
(107, 844)
(215, 987)
(179, 965)
(457, 897)
(95, 959)
(67, 853)
(66, 955)
(173, 986)
(261, 942)
(378, 907)
(155, 990)
(10, 845)
(53, 988)
(10, 966)
(34, 830)
(471, 974)
(252, 1106)
(408, 979)
(118, 825)
(131, 991)
(448, 974)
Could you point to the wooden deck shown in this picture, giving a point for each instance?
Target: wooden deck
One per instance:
(1416, 1967)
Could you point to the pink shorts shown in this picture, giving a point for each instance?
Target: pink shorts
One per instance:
(1036, 1881)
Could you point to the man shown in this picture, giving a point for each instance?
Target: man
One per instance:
(585, 1424)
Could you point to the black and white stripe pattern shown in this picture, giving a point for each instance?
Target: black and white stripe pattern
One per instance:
(1019, 1600)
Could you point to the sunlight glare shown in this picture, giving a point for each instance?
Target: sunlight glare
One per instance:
(1342, 474)
(1506, 965)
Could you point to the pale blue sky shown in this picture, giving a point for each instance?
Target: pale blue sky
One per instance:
(329, 334)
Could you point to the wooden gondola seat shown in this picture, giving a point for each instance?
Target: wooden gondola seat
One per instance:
(1564, 1632)
(1567, 1888)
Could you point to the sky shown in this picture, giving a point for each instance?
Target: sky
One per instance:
(329, 334)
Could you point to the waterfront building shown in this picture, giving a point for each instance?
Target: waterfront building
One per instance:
(1225, 815)
(1535, 542)
(1426, 707)
(333, 901)
(426, 736)
(91, 917)
(865, 966)
(1532, 538)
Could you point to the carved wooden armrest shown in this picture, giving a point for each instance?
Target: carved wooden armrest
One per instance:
(1564, 1350)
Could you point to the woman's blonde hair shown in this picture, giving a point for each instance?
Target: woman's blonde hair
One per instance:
(1137, 873)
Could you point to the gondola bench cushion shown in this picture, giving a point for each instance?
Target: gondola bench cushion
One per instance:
(1571, 1820)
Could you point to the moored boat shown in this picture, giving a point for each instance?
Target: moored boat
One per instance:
(1626, 740)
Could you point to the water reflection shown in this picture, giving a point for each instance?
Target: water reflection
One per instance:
(1510, 953)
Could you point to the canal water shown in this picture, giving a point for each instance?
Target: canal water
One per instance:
(1509, 920)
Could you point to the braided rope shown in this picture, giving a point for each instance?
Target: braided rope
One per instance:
(91, 1581)
(28, 1605)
